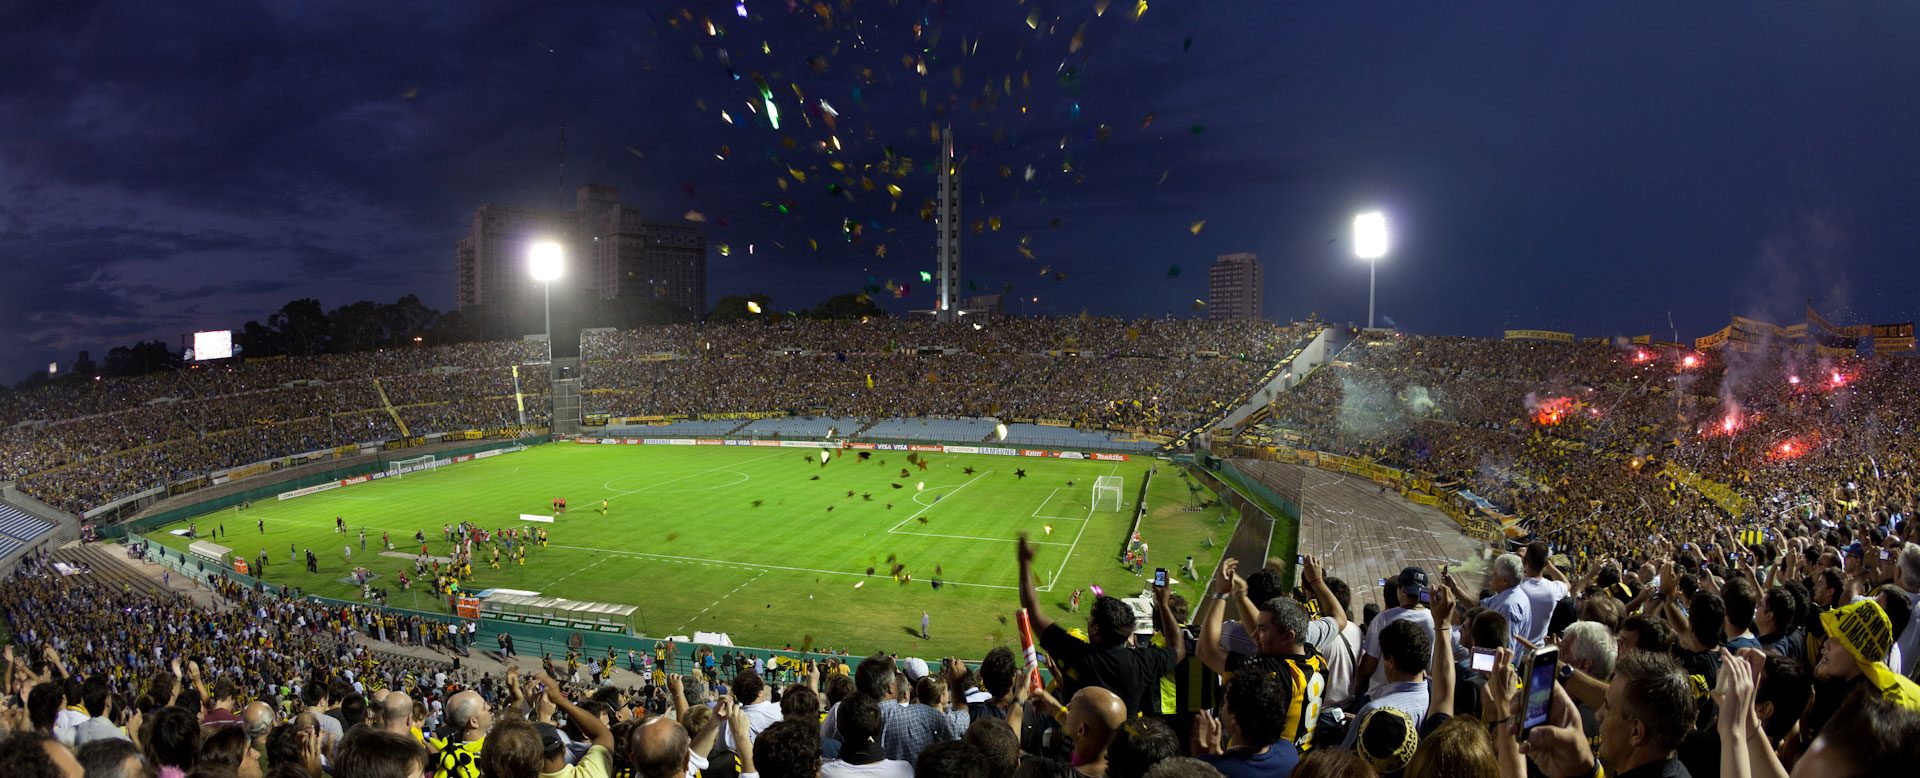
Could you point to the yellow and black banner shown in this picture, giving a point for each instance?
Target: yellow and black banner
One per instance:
(1547, 335)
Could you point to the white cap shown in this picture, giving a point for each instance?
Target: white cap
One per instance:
(915, 667)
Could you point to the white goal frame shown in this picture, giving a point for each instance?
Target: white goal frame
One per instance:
(1109, 485)
(421, 464)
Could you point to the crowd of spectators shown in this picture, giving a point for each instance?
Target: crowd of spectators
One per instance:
(1701, 659)
(1165, 376)
(1593, 445)
(79, 445)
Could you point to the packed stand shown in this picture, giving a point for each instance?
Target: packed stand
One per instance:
(1164, 376)
(77, 446)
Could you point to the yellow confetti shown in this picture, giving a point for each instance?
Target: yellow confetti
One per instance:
(999, 430)
(1049, 529)
(798, 174)
(880, 251)
(1140, 10)
(1033, 20)
(753, 307)
(1198, 226)
(893, 189)
(726, 250)
(993, 223)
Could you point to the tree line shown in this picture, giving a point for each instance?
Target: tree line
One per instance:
(303, 327)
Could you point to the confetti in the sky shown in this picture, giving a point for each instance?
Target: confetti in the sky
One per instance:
(999, 430)
(753, 307)
(1197, 226)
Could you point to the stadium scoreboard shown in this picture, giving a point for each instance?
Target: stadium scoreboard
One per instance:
(209, 345)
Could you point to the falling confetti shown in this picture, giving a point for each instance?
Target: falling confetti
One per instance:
(694, 216)
(999, 430)
(725, 250)
(753, 307)
(858, 584)
(920, 487)
(1196, 227)
(1049, 529)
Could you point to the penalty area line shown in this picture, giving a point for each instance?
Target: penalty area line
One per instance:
(785, 568)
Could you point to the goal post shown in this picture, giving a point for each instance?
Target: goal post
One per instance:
(1106, 493)
(400, 467)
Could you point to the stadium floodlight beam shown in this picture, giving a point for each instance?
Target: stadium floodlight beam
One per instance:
(1370, 244)
(544, 262)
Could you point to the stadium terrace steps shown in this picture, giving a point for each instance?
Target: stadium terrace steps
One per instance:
(103, 568)
(17, 525)
(931, 430)
(800, 427)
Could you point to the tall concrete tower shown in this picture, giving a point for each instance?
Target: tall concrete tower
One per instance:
(947, 246)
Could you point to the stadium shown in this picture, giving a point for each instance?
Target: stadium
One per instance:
(612, 511)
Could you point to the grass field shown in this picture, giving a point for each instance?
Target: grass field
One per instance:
(764, 544)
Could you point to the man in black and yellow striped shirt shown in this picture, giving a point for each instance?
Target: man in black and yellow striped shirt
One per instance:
(1283, 638)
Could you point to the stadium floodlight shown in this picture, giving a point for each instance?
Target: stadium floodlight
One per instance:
(1370, 244)
(544, 261)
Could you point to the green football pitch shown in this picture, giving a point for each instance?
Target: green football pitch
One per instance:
(764, 544)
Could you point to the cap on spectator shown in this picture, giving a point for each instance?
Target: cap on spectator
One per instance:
(1413, 582)
(1862, 628)
(550, 741)
(916, 668)
(1387, 739)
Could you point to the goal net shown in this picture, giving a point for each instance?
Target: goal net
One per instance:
(1106, 493)
(401, 467)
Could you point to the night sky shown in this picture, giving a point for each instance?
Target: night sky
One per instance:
(170, 167)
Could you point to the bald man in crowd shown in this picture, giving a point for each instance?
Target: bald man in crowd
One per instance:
(396, 714)
(258, 717)
(459, 754)
(1089, 722)
(659, 747)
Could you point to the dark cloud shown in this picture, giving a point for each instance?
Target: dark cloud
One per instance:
(167, 167)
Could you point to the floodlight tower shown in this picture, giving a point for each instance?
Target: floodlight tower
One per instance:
(544, 262)
(947, 245)
(1370, 244)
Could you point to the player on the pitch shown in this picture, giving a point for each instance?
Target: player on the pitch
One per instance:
(603, 509)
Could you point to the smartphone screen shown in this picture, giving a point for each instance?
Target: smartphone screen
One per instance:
(1160, 577)
(1885, 554)
(1299, 559)
(1483, 659)
(1426, 597)
(1540, 675)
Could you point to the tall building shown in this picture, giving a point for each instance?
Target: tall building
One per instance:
(1234, 287)
(639, 258)
(946, 253)
(491, 261)
(611, 249)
